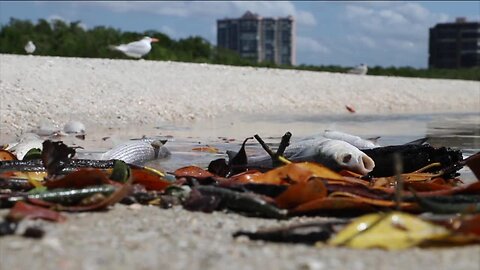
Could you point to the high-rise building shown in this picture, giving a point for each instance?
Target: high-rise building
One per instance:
(454, 45)
(259, 39)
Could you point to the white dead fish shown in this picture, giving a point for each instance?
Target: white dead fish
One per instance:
(135, 152)
(74, 127)
(30, 47)
(351, 139)
(362, 69)
(335, 154)
(135, 49)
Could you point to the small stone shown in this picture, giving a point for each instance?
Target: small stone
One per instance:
(135, 206)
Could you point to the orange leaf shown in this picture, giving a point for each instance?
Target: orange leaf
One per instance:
(295, 173)
(245, 177)
(331, 203)
(149, 180)
(7, 155)
(301, 193)
(193, 171)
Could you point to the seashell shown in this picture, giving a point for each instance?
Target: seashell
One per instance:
(25, 143)
(74, 127)
(46, 129)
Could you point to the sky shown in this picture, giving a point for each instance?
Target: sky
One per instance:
(346, 33)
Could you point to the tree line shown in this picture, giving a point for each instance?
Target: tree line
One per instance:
(59, 38)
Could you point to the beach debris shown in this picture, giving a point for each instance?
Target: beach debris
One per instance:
(335, 154)
(74, 127)
(402, 230)
(136, 49)
(413, 158)
(46, 128)
(55, 180)
(30, 47)
(208, 149)
(25, 143)
(306, 233)
(350, 109)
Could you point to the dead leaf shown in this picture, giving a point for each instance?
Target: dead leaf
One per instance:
(392, 231)
(300, 193)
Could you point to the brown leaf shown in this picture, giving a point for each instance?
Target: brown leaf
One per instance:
(23, 210)
(193, 171)
(81, 178)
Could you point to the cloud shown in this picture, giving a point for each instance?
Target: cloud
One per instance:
(55, 17)
(214, 9)
(307, 44)
(404, 20)
(390, 29)
(362, 41)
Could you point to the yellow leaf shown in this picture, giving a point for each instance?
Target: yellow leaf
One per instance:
(392, 231)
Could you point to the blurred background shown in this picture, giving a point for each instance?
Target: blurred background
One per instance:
(415, 39)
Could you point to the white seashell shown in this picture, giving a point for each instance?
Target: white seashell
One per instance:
(26, 142)
(74, 127)
(46, 129)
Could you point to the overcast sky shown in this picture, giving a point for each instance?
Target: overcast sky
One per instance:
(328, 33)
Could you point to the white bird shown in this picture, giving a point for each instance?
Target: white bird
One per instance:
(30, 47)
(360, 70)
(136, 49)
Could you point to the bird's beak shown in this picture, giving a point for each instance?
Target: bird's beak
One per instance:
(155, 40)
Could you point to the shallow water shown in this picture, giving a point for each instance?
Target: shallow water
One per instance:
(456, 130)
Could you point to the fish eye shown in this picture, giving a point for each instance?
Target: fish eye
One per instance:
(347, 158)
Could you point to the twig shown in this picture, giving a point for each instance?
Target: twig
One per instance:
(275, 156)
(398, 180)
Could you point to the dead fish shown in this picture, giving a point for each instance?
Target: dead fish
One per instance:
(335, 154)
(135, 152)
(351, 139)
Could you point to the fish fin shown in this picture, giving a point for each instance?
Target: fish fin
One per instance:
(231, 154)
(417, 141)
(373, 139)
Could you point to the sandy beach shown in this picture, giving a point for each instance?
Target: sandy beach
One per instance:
(126, 92)
(107, 94)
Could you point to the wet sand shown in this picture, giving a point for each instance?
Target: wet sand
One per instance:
(186, 100)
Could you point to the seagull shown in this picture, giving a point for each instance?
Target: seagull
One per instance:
(360, 70)
(30, 47)
(136, 49)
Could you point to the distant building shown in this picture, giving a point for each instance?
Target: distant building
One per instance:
(454, 45)
(259, 39)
